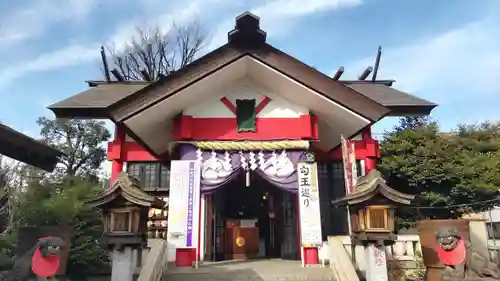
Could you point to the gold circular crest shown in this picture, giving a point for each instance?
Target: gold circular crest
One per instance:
(240, 241)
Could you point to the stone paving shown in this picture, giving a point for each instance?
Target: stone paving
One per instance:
(250, 270)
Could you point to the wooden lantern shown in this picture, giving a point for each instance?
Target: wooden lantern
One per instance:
(122, 220)
(371, 207)
(125, 209)
(375, 218)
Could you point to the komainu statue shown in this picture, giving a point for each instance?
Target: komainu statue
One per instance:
(41, 262)
(460, 260)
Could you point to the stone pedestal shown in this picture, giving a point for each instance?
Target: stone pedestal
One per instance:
(376, 263)
(123, 265)
(478, 235)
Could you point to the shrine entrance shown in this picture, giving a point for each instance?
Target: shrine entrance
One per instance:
(253, 219)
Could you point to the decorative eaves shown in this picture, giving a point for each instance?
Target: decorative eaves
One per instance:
(129, 189)
(370, 185)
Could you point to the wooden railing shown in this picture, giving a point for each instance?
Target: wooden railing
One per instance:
(155, 263)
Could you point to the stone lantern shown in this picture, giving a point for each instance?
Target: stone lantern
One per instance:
(371, 207)
(125, 210)
(125, 213)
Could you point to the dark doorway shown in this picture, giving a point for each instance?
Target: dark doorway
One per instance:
(238, 205)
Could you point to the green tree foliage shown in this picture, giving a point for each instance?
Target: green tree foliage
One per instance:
(412, 123)
(80, 140)
(52, 199)
(7, 246)
(63, 204)
(442, 169)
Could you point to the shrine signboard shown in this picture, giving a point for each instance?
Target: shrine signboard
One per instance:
(310, 216)
(184, 204)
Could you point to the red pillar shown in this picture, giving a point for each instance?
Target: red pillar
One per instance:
(117, 162)
(372, 152)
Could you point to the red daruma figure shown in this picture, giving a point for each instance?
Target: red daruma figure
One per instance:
(46, 258)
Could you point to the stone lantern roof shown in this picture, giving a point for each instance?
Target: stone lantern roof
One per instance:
(369, 186)
(128, 188)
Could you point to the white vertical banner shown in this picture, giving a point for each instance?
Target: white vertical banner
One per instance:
(310, 216)
(184, 206)
(350, 171)
(349, 163)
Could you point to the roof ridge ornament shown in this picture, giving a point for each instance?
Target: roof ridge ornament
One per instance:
(247, 32)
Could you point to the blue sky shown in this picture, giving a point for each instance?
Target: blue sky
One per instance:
(445, 51)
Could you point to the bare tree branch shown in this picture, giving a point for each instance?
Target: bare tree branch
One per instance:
(158, 53)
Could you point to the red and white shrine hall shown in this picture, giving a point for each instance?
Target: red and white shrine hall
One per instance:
(246, 114)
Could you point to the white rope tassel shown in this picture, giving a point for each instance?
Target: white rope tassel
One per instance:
(243, 160)
(283, 153)
(274, 158)
(199, 156)
(253, 161)
(262, 161)
(227, 162)
(213, 162)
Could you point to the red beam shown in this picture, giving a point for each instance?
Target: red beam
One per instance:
(130, 151)
(228, 104)
(189, 128)
(258, 109)
(262, 105)
(305, 127)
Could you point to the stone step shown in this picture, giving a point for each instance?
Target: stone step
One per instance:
(263, 270)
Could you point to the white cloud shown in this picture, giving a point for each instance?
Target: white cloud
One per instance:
(276, 10)
(455, 69)
(76, 54)
(464, 60)
(31, 20)
(277, 16)
(183, 13)
(65, 57)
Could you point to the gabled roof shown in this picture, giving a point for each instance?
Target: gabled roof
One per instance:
(370, 185)
(400, 103)
(145, 94)
(246, 54)
(267, 55)
(94, 102)
(23, 148)
(119, 101)
(127, 188)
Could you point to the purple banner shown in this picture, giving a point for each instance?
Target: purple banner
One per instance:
(190, 193)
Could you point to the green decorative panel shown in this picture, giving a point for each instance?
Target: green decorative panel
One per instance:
(246, 115)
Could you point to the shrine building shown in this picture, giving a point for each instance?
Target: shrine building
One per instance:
(247, 113)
